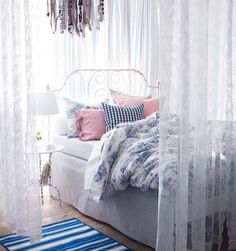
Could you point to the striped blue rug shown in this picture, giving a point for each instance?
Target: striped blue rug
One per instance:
(66, 235)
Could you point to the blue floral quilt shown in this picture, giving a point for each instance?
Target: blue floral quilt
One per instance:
(129, 156)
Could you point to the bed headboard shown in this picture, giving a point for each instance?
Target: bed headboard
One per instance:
(93, 84)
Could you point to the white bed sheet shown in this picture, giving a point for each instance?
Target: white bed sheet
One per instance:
(75, 147)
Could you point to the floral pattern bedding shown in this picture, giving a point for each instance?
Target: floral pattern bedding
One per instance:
(129, 156)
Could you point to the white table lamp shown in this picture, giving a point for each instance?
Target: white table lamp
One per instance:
(45, 104)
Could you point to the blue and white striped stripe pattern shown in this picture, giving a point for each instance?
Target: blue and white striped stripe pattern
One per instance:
(116, 114)
(70, 235)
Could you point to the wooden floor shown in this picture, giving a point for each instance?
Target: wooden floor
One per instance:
(52, 212)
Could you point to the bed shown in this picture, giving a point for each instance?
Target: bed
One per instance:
(132, 211)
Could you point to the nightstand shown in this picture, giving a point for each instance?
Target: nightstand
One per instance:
(45, 174)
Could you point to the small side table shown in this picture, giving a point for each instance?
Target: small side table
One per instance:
(50, 151)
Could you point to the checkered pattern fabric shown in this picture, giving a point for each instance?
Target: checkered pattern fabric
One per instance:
(116, 114)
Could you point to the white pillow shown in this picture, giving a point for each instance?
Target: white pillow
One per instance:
(60, 124)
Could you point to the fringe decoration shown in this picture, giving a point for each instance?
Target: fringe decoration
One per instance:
(74, 16)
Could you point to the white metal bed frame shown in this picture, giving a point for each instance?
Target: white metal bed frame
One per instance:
(97, 82)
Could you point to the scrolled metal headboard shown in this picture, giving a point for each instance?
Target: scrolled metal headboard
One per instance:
(95, 83)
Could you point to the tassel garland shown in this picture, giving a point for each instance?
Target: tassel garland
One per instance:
(75, 15)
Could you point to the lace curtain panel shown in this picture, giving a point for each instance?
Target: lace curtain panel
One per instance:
(198, 124)
(19, 187)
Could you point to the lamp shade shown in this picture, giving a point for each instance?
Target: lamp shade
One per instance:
(45, 103)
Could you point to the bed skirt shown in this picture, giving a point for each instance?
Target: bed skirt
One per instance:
(132, 211)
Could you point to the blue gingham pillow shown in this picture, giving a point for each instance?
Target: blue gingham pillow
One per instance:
(116, 114)
(71, 108)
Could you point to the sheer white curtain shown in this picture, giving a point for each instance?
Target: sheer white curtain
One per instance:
(19, 187)
(127, 38)
(197, 128)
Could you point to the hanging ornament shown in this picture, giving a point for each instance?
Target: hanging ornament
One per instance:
(74, 16)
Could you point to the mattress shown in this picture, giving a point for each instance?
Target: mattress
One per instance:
(133, 212)
(75, 147)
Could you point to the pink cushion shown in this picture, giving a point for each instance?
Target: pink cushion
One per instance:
(150, 105)
(90, 123)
